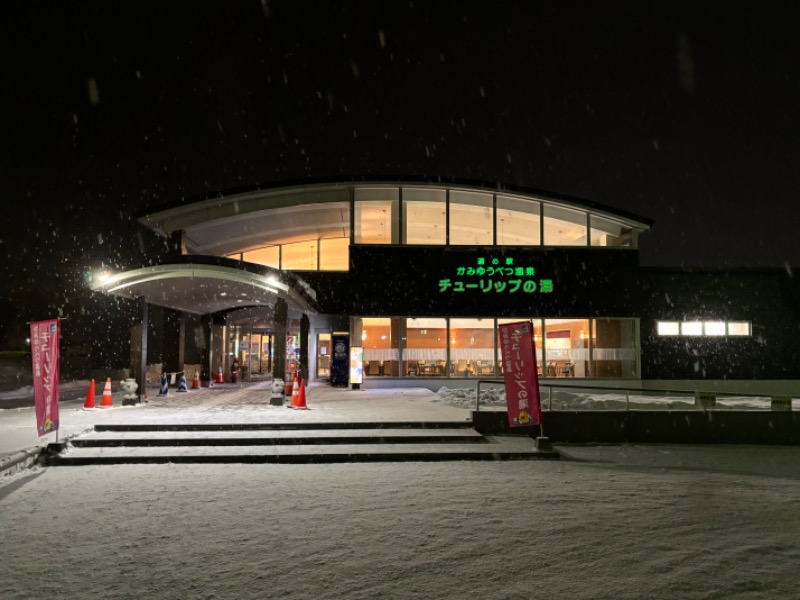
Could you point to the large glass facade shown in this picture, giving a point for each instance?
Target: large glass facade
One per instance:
(419, 215)
(468, 348)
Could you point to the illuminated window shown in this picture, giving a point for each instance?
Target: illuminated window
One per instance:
(703, 328)
(716, 328)
(301, 256)
(668, 328)
(606, 232)
(334, 254)
(564, 226)
(692, 328)
(424, 216)
(376, 216)
(517, 222)
(739, 328)
(425, 348)
(380, 338)
(472, 347)
(269, 257)
(470, 219)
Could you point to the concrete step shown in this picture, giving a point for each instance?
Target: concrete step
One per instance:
(493, 448)
(278, 437)
(320, 442)
(284, 426)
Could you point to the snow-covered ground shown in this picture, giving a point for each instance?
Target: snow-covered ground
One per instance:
(623, 522)
(629, 521)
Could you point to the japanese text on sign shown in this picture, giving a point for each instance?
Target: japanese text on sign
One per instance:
(519, 373)
(496, 276)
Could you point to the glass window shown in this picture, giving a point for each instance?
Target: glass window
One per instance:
(605, 232)
(380, 338)
(472, 347)
(424, 216)
(668, 328)
(269, 256)
(425, 348)
(714, 328)
(614, 348)
(376, 216)
(739, 328)
(301, 256)
(692, 328)
(566, 347)
(334, 254)
(537, 342)
(564, 226)
(517, 222)
(471, 219)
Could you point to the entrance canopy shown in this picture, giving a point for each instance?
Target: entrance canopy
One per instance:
(203, 285)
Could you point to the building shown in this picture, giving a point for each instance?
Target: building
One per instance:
(420, 274)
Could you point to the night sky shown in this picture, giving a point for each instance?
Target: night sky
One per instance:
(684, 113)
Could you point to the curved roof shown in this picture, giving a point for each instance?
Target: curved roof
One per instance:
(224, 222)
(203, 285)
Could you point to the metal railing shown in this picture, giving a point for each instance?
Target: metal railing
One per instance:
(701, 399)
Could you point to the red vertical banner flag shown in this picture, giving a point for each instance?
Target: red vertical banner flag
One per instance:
(44, 352)
(520, 375)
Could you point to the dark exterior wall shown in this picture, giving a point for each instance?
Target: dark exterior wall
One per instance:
(663, 427)
(770, 300)
(591, 282)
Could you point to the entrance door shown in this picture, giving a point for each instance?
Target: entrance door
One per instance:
(324, 352)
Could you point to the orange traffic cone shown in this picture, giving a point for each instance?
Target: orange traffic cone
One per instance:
(295, 393)
(301, 396)
(196, 381)
(105, 402)
(220, 376)
(290, 385)
(90, 404)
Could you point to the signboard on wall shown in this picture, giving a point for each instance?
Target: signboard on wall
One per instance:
(496, 281)
(494, 274)
(340, 359)
(356, 365)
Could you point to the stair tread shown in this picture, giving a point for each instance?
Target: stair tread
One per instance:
(279, 434)
(506, 445)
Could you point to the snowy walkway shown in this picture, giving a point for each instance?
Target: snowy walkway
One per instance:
(248, 403)
(605, 522)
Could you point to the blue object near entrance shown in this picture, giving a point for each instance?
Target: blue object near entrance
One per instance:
(182, 387)
(164, 386)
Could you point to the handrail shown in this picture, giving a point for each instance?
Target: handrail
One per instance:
(627, 391)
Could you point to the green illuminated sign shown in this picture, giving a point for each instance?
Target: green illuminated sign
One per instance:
(496, 276)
